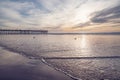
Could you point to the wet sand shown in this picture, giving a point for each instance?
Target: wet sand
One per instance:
(14, 66)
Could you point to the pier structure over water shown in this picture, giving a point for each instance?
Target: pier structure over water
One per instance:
(5, 31)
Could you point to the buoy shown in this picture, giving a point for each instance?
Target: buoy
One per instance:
(33, 37)
(75, 38)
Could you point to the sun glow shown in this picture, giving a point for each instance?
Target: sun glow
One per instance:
(81, 19)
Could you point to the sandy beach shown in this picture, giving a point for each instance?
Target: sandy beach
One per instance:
(14, 66)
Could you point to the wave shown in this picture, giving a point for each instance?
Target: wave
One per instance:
(92, 57)
(58, 69)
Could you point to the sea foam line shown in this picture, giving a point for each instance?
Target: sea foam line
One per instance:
(58, 69)
(91, 57)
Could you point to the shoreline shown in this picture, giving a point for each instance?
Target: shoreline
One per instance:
(57, 69)
(7, 56)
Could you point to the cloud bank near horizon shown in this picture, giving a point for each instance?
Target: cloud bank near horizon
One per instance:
(59, 14)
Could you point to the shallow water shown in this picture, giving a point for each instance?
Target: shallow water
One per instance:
(64, 45)
(72, 46)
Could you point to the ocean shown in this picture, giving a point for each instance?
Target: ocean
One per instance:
(80, 56)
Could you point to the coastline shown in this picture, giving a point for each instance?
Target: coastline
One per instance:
(16, 67)
(57, 69)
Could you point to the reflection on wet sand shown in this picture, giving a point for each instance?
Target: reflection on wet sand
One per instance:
(17, 67)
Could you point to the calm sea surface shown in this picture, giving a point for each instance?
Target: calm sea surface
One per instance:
(65, 53)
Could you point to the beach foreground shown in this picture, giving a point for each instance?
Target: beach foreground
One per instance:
(14, 66)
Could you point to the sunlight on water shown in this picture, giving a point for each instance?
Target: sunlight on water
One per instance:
(83, 42)
(85, 45)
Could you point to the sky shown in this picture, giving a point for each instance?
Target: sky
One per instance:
(61, 15)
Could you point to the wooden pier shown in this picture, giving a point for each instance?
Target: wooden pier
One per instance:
(4, 31)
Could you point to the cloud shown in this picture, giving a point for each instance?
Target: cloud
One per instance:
(56, 14)
(106, 15)
(12, 12)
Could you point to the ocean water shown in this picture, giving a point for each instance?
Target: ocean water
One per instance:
(87, 57)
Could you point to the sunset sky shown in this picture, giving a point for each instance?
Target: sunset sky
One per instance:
(61, 15)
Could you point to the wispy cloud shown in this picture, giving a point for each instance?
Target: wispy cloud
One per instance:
(107, 15)
(57, 14)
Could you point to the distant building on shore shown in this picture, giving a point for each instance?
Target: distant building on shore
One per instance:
(6, 31)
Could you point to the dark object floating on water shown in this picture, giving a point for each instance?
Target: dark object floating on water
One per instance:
(75, 38)
(33, 37)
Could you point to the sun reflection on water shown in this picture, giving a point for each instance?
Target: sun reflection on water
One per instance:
(82, 46)
(83, 42)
